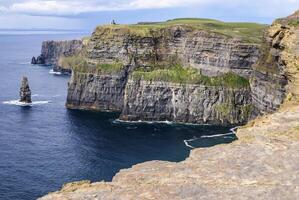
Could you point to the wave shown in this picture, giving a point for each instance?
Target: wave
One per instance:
(131, 128)
(216, 135)
(18, 103)
(190, 140)
(118, 121)
(24, 63)
(225, 135)
(54, 72)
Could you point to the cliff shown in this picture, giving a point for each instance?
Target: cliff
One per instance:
(53, 51)
(190, 103)
(150, 72)
(261, 164)
(103, 92)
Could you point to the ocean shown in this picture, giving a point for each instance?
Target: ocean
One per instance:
(46, 145)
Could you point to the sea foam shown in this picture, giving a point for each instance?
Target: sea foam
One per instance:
(18, 103)
(55, 73)
(225, 135)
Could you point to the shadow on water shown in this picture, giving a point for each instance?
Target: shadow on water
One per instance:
(105, 146)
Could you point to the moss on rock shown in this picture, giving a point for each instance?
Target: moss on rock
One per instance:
(182, 75)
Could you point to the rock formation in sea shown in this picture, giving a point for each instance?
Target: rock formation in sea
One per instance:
(25, 92)
(40, 60)
(261, 164)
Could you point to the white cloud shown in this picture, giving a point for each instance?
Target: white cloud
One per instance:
(144, 4)
(67, 7)
(75, 7)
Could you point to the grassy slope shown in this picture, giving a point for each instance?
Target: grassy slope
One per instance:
(178, 74)
(249, 32)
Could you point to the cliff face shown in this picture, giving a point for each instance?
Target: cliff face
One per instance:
(190, 103)
(103, 92)
(161, 92)
(52, 50)
(276, 74)
(212, 53)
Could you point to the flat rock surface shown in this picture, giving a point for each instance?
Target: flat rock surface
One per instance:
(262, 164)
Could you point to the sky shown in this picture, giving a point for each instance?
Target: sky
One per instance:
(86, 14)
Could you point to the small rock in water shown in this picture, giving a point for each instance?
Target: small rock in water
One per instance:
(33, 61)
(40, 60)
(25, 92)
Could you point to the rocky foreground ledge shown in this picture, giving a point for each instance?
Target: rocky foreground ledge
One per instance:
(263, 164)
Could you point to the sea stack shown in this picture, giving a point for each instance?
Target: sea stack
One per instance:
(33, 61)
(25, 92)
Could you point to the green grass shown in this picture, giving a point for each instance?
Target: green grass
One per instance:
(178, 74)
(294, 22)
(110, 67)
(224, 110)
(80, 64)
(72, 62)
(249, 32)
(267, 62)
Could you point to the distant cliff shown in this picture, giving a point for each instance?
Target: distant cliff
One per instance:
(52, 51)
(177, 72)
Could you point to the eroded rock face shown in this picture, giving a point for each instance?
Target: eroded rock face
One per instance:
(187, 103)
(276, 73)
(25, 92)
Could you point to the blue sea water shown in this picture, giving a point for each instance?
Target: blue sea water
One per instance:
(45, 145)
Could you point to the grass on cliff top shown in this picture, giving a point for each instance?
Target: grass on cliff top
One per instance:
(179, 74)
(80, 64)
(248, 32)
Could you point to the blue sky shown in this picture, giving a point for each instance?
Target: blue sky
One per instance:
(86, 14)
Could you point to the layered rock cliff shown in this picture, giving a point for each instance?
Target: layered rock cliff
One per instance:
(103, 92)
(213, 53)
(190, 103)
(163, 58)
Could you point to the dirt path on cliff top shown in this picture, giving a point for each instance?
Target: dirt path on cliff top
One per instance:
(262, 164)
